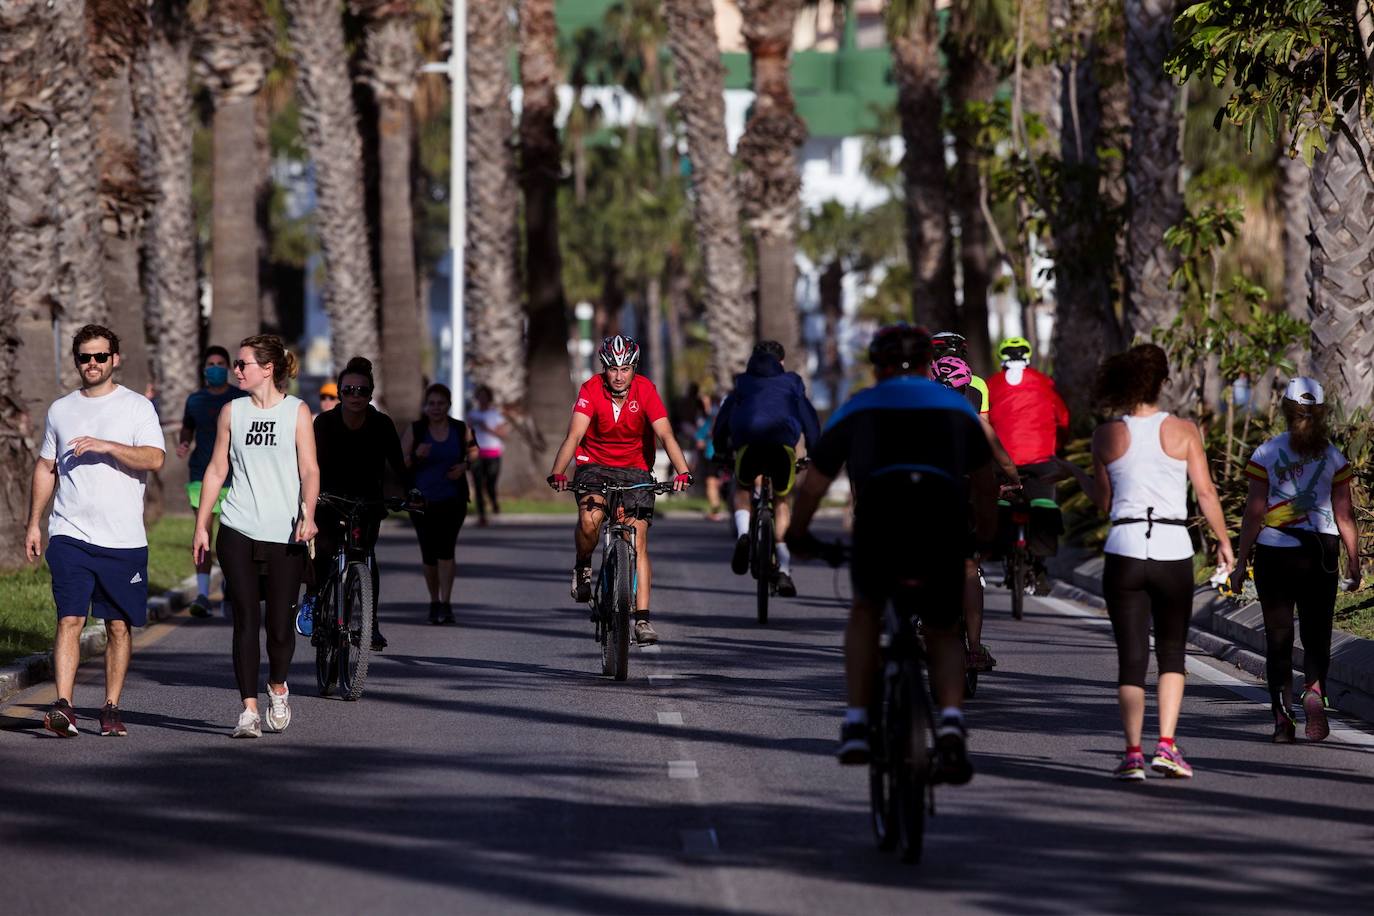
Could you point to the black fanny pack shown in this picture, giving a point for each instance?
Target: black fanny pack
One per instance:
(1325, 548)
(1149, 521)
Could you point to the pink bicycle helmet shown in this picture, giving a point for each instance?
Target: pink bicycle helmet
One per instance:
(952, 372)
(619, 351)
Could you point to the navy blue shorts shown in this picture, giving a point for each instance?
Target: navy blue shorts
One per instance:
(112, 583)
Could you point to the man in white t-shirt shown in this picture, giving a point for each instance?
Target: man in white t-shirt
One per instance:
(101, 442)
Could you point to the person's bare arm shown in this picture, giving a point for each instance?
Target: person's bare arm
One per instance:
(216, 472)
(44, 482)
(1343, 509)
(133, 457)
(664, 430)
(1251, 521)
(577, 428)
(811, 489)
(1201, 476)
(999, 452)
(308, 466)
(408, 447)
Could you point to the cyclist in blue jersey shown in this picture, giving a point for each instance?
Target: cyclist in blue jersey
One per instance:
(917, 459)
(761, 422)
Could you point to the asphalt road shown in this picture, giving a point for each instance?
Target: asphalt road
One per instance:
(489, 768)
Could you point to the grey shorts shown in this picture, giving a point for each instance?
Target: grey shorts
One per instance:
(637, 503)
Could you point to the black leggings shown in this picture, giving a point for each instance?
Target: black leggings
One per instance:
(1141, 591)
(437, 529)
(485, 473)
(1285, 578)
(261, 570)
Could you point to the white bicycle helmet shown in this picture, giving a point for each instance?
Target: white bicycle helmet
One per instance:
(619, 351)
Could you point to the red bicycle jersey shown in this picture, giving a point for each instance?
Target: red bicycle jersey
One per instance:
(623, 441)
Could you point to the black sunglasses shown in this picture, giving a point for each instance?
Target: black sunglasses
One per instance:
(239, 364)
(83, 358)
(356, 391)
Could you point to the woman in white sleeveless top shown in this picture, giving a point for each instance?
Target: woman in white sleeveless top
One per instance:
(266, 522)
(1142, 462)
(1297, 514)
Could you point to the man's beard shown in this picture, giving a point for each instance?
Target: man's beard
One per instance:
(88, 382)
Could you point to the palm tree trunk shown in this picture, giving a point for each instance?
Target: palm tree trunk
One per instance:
(678, 285)
(550, 390)
(81, 256)
(701, 104)
(329, 122)
(163, 102)
(392, 65)
(770, 182)
(117, 31)
(1153, 169)
(32, 56)
(496, 320)
(1342, 215)
(972, 80)
(1084, 229)
(915, 59)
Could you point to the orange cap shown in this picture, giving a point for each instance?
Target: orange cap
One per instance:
(329, 390)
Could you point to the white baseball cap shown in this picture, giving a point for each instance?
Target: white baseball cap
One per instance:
(1304, 390)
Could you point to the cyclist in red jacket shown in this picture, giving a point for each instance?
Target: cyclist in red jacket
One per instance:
(1032, 421)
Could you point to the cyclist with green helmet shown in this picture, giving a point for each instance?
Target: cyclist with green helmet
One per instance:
(1032, 422)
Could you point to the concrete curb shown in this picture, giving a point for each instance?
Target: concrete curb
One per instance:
(25, 672)
(1235, 634)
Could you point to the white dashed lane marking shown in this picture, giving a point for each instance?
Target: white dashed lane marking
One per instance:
(682, 769)
(670, 718)
(656, 680)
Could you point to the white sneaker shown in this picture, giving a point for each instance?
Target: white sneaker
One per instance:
(279, 712)
(250, 725)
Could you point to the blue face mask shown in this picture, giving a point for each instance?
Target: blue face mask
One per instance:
(216, 376)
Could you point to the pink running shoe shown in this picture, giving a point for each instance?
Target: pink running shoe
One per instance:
(1169, 761)
(1314, 709)
(1131, 767)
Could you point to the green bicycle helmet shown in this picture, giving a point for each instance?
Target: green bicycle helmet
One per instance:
(1014, 348)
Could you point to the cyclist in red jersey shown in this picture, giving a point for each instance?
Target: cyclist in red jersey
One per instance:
(615, 420)
(1032, 421)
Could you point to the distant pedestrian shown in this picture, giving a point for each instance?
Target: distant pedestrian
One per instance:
(100, 443)
(1142, 462)
(491, 428)
(198, 425)
(1297, 517)
(329, 397)
(439, 450)
(267, 520)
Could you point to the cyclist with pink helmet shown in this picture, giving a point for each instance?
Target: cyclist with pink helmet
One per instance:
(615, 419)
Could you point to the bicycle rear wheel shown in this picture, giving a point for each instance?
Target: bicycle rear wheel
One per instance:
(911, 728)
(882, 813)
(970, 673)
(1016, 581)
(326, 641)
(622, 599)
(355, 633)
(763, 559)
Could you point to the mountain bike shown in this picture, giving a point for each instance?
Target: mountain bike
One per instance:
(763, 540)
(613, 597)
(346, 607)
(1019, 579)
(901, 723)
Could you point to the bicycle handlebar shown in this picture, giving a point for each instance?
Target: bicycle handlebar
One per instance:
(350, 504)
(660, 487)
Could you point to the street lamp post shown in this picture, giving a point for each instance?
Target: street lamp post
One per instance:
(456, 67)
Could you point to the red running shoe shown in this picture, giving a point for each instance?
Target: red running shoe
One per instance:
(1314, 709)
(61, 720)
(110, 722)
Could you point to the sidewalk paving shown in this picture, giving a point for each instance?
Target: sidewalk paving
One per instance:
(1234, 633)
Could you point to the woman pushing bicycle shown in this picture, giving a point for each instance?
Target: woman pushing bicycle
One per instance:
(615, 420)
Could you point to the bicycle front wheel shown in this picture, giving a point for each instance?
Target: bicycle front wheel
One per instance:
(1016, 581)
(355, 630)
(326, 643)
(622, 600)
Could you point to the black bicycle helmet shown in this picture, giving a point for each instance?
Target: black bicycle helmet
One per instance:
(950, 343)
(900, 346)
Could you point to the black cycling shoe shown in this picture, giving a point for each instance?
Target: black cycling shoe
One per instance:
(434, 611)
(854, 749)
(582, 584)
(378, 640)
(1042, 582)
(739, 563)
(446, 612)
(784, 585)
(952, 765)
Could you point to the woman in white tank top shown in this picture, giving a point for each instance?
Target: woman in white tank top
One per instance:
(1142, 462)
(267, 520)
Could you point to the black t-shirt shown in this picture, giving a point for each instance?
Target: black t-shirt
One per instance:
(353, 461)
(904, 423)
